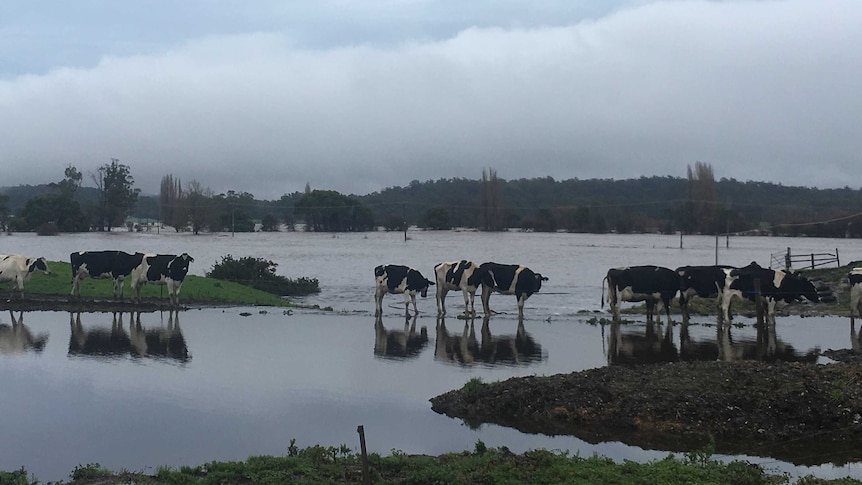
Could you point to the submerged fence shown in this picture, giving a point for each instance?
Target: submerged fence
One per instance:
(788, 260)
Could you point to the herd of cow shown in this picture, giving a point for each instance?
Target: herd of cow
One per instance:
(653, 285)
(467, 276)
(140, 268)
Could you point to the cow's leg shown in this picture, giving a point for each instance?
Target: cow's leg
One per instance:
(378, 302)
(666, 304)
(486, 298)
(467, 302)
(650, 309)
(613, 299)
(521, 299)
(683, 307)
(411, 299)
(472, 296)
(441, 298)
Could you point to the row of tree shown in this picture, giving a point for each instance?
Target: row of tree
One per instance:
(695, 204)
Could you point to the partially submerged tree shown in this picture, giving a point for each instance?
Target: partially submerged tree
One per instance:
(330, 211)
(117, 194)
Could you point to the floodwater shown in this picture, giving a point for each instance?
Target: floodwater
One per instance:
(139, 391)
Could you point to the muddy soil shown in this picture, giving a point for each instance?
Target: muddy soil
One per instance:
(802, 413)
(63, 303)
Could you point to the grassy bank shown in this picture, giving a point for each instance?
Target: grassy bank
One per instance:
(318, 464)
(195, 288)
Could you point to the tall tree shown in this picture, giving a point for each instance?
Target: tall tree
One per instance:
(171, 209)
(491, 202)
(702, 197)
(117, 194)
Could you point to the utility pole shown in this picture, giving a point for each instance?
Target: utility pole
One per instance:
(404, 219)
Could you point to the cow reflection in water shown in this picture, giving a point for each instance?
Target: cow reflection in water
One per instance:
(651, 347)
(399, 344)
(161, 342)
(463, 348)
(17, 338)
(656, 346)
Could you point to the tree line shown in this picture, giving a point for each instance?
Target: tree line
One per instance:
(695, 204)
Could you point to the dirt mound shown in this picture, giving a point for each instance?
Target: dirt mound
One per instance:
(783, 410)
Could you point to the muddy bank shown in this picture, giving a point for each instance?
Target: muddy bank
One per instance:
(63, 303)
(801, 413)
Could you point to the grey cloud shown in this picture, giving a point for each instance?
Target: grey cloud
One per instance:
(761, 90)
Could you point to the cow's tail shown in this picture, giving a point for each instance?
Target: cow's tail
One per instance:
(603, 290)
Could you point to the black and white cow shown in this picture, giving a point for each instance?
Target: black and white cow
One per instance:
(395, 278)
(705, 282)
(775, 285)
(509, 279)
(18, 269)
(161, 269)
(457, 275)
(652, 284)
(855, 277)
(113, 264)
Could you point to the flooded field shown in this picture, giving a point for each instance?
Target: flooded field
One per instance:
(138, 391)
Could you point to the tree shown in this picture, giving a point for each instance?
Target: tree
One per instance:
(437, 218)
(491, 203)
(330, 211)
(117, 195)
(269, 223)
(699, 213)
(198, 206)
(58, 209)
(171, 208)
(4, 212)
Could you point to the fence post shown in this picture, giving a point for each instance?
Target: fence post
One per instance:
(837, 261)
(787, 260)
(366, 476)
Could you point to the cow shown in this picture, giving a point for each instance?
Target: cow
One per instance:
(457, 275)
(509, 279)
(117, 265)
(652, 284)
(161, 269)
(18, 269)
(775, 285)
(395, 278)
(855, 277)
(705, 282)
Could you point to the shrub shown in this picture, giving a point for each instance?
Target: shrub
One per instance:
(260, 274)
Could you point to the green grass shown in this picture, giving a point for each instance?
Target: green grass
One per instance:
(195, 288)
(318, 464)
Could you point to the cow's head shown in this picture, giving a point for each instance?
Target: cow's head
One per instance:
(180, 264)
(424, 291)
(39, 264)
(539, 280)
(793, 286)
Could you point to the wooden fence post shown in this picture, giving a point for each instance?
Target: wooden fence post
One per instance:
(366, 476)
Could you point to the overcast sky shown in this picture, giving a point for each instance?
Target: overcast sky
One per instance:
(356, 96)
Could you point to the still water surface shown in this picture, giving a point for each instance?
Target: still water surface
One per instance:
(141, 391)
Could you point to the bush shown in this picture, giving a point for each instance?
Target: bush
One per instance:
(260, 274)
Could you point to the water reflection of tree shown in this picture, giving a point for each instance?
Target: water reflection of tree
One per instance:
(110, 342)
(463, 348)
(399, 343)
(17, 338)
